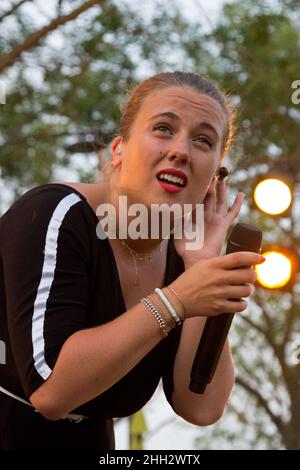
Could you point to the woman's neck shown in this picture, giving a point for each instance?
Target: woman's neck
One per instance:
(131, 228)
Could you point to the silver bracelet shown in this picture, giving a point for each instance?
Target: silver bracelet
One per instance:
(155, 313)
(168, 305)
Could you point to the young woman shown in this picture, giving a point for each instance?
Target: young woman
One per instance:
(91, 325)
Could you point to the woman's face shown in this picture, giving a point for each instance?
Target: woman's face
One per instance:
(176, 128)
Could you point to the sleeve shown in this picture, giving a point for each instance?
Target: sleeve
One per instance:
(46, 256)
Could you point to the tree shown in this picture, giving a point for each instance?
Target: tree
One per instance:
(63, 96)
(33, 39)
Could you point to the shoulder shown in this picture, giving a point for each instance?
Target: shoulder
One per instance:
(50, 192)
(47, 197)
(49, 204)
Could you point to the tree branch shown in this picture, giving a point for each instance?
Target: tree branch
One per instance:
(264, 309)
(59, 7)
(260, 301)
(277, 348)
(152, 432)
(85, 146)
(33, 39)
(80, 146)
(290, 317)
(263, 403)
(13, 9)
(263, 332)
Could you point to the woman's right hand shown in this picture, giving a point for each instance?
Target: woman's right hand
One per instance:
(208, 287)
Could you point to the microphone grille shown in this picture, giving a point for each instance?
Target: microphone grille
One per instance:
(245, 235)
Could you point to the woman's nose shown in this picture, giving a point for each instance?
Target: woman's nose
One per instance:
(179, 154)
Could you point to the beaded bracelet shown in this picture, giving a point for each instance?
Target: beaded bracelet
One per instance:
(164, 312)
(155, 313)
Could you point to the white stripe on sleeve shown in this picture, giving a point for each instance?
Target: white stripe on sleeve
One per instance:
(39, 310)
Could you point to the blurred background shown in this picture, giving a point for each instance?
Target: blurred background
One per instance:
(64, 69)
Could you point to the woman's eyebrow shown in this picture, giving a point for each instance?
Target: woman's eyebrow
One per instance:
(201, 125)
(207, 126)
(169, 114)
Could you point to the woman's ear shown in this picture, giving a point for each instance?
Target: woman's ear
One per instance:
(116, 148)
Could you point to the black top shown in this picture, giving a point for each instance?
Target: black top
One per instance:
(58, 277)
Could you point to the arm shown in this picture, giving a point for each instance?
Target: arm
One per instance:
(61, 361)
(205, 409)
(92, 360)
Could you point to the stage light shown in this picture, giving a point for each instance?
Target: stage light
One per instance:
(277, 271)
(272, 196)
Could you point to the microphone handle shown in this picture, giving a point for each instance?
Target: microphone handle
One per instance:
(209, 352)
(212, 340)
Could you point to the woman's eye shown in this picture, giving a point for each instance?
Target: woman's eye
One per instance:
(164, 128)
(161, 127)
(205, 140)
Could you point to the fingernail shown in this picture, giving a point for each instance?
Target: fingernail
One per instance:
(262, 259)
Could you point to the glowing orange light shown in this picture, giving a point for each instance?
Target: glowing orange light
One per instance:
(272, 196)
(276, 271)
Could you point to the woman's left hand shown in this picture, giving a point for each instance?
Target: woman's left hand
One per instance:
(217, 221)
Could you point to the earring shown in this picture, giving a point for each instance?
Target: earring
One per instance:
(223, 173)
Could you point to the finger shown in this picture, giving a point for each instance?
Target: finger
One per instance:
(240, 276)
(233, 306)
(236, 207)
(210, 200)
(222, 204)
(239, 291)
(239, 259)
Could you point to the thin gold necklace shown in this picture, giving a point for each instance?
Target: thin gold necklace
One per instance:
(136, 257)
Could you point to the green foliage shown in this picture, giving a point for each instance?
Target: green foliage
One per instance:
(64, 98)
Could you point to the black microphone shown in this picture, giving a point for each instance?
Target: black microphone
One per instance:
(243, 237)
